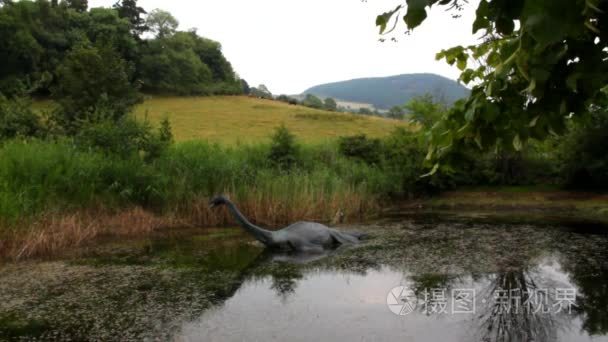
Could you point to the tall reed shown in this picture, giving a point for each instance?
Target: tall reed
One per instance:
(53, 195)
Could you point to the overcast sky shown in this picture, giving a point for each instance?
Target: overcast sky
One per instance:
(291, 45)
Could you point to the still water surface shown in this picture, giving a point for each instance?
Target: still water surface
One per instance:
(456, 278)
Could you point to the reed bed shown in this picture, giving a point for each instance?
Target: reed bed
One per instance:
(54, 196)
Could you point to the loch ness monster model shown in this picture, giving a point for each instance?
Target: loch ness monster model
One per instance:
(300, 236)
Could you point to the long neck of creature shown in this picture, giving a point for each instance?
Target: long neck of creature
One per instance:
(262, 235)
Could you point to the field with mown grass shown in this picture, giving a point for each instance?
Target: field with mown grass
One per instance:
(240, 119)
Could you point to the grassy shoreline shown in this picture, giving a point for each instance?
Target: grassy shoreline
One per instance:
(53, 234)
(574, 205)
(54, 196)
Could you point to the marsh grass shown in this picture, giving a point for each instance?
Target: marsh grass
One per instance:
(54, 196)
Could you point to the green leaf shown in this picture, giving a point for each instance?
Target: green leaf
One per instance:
(517, 144)
(416, 13)
(462, 64)
(383, 19)
(469, 115)
(493, 59)
(481, 21)
(505, 26)
(432, 172)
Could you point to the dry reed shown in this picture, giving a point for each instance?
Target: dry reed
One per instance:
(54, 233)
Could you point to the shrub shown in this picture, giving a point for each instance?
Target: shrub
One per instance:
(124, 138)
(582, 153)
(283, 149)
(91, 81)
(362, 148)
(17, 119)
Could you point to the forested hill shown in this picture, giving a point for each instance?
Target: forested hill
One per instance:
(47, 47)
(386, 92)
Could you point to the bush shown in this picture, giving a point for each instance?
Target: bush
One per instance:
(362, 148)
(283, 149)
(582, 153)
(92, 81)
(17, 119)
(125, 138)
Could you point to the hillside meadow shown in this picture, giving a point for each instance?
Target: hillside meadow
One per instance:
(231, 120)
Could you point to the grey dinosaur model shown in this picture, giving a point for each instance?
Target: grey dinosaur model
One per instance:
(300, 236)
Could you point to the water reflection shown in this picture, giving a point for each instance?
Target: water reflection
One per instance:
(219, 286)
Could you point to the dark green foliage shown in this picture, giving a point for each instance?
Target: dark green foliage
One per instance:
(386, 92)
(129, 10)
(330, 104)
(365, 111)
(287, 99)
(93, 84)
(165, 134)
(78, 5)
(261, 91)
(162, 23)
(361, 147)
(125, 138)
(425, 110)
(245, 87)
(187, 64)
(397, 113)
(18, 120)
(528, 80)
(583, 153)
(38, 36)
(312, 102)
(283, 150)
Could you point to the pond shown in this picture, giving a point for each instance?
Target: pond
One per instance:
(420, 277)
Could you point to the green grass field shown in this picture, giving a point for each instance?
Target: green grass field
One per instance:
(240, 119)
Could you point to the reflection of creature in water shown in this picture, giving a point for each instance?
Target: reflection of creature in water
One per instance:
(300, 236)
(284, 280)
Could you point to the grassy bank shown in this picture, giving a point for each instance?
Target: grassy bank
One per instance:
(53, 195)
(239, 119)
(545, 200)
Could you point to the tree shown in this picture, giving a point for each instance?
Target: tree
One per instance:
(425, 111)
(17, 119)
(170, 65)
(78, 5)
(312, 101)
(92, 82)
(261, 91)
(245, 86)
(396, 112)
(129, 10)
(162, 23)
(330, 104)
(529, 78)
(284, 150)
(365, 111)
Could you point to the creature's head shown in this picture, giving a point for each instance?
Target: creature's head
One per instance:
(216, 201)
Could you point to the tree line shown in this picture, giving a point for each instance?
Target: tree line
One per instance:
(44, 43)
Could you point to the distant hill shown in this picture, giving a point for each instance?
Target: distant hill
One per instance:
(386, 92)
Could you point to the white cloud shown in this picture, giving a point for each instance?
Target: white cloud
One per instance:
(292, 45)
